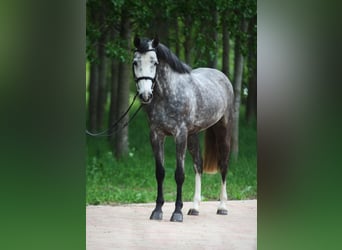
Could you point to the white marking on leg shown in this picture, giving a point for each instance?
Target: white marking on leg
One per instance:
(197, 196)
(223, 197)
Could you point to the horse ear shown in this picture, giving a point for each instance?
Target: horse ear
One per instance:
(136, 41)
(155, 41)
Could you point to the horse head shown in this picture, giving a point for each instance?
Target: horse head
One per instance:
(144, 66)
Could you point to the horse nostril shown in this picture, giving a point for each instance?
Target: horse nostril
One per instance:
(145, 97)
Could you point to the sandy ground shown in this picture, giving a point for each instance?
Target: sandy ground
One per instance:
(129, 227)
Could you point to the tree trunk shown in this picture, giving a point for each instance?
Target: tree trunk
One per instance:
(225, 44)
(176, 27)
(251, 110)
(238, 73)
(102, 91)
(212, 31)
(94, 79)
(113, 111)
(187, 41)
(162, 29)
(121, 145)
(93, 93)
(160, 23)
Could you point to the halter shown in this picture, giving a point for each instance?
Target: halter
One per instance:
(137, 79)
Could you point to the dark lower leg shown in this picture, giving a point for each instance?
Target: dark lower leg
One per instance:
(181, 142)
(177, 214)
(160, 174)
(157, 141)
(179, 177)
(157, 213)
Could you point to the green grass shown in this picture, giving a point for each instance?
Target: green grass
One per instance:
(131, 179)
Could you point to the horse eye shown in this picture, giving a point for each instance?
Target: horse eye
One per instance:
(135, 63)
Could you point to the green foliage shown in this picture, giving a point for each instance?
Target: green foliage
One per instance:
(116, 50)
(132, 179)
(197, 21)
(93, 33)
(117, 3)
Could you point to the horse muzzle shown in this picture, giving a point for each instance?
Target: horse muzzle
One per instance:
(146, 98)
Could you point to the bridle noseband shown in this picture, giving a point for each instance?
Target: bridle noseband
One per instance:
(137, 79)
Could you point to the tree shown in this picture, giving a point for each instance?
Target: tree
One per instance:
(97, 33)
(206, 34)
(93, 34)
(225, 43)
(113, 110)
(213, 34)
(186, 14)
(121, 143)
(238, 73)
(93, 92)
(102, 84)
(251, 109)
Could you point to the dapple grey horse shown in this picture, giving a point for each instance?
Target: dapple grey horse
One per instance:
(181, 102)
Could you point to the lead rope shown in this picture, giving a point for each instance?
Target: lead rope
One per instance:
(114, 125)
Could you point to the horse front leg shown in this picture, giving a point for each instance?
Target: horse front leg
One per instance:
(181, 142)
(157, 142)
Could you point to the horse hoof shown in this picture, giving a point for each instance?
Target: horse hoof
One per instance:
(193, 211)
(177, 217)
(156, 215)
(222, 211)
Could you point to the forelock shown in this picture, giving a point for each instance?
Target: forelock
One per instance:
(144, 45)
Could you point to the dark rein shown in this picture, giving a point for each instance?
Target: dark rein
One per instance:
(114, 125)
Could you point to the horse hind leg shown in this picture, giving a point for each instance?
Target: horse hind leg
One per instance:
(195, 152)
(222, 208)
(222, 133)
(223, 165)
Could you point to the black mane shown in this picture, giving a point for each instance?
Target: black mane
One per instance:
(165, 54)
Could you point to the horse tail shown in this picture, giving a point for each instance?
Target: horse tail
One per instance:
(210, 164)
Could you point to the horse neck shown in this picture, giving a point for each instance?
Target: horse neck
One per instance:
(167, 81)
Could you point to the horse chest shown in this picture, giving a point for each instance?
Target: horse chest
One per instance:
(168, 117)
